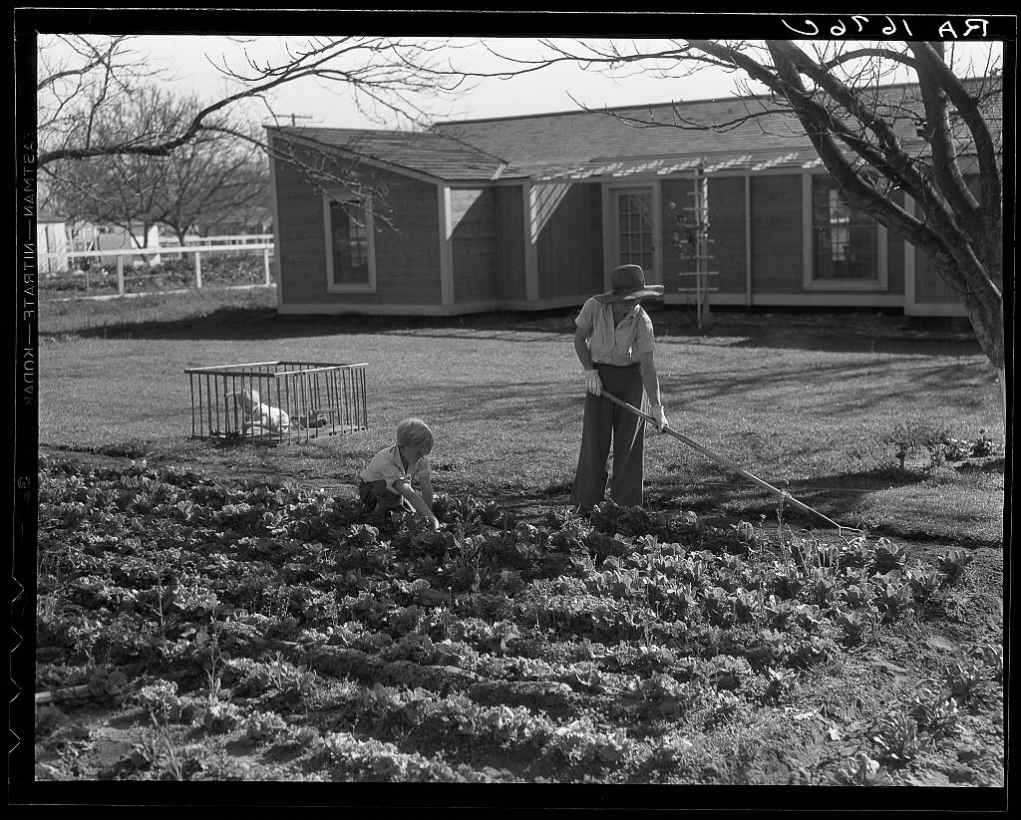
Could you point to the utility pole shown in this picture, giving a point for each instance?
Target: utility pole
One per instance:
(295, 117)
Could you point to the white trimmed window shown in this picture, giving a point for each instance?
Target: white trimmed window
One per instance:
(848, 247)
(350, 245)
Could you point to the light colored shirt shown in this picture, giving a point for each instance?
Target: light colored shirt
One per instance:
(620, 344)
(386, 465)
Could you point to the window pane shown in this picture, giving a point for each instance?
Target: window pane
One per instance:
(350, 243)
(845, 241)
(634, 225)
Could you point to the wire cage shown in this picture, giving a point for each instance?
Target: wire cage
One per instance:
(277, 401)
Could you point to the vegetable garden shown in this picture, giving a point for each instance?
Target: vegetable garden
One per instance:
(196, 628)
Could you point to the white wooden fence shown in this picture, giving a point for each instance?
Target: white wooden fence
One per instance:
(118, 254)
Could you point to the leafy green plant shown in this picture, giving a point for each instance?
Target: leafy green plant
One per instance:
(992, 657)
(935, 712)
(953, 564)
(862, 770)
(161, 700)
(905, 437)
(887, 556)
(263, 726)
(896, 737)
(925, 583)
(856, 626)
(221, 717)
(983, 445)
(962, 678)
(893, 596)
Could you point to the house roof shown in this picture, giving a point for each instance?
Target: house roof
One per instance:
(742, 131)
(658, 139)
(438, 155)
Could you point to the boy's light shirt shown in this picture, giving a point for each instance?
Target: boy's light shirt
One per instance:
(387, 466)
(621, 344)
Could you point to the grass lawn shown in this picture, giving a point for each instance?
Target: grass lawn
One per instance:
(801, 401)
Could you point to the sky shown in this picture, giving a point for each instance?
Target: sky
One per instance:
(330, 105)
(185, 63)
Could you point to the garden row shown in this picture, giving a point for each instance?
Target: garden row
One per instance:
(612, 648)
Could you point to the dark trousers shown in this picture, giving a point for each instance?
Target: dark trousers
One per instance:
(605, 420)
(376, 498)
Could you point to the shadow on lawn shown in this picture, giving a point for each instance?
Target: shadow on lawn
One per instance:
(831, 332)
(841, 497)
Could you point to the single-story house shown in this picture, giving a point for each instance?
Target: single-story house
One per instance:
(532, 212)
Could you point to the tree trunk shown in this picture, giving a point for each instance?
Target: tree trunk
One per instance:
(985, 311)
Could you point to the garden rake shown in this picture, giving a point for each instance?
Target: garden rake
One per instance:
(783, 494)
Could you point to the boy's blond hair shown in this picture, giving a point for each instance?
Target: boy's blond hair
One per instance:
(414, 432)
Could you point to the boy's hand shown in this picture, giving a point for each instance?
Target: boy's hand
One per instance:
(593, 384)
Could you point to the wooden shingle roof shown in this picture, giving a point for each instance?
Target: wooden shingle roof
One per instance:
(438, 155)
(645, 139)
(712, 131)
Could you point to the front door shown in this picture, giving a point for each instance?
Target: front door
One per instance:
(633, 230)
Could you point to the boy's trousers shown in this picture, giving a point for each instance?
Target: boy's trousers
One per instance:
(375, 497)
(604, 419)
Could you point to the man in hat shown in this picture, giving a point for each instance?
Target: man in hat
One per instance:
(616, 347)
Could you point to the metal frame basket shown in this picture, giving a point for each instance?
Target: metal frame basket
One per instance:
(316, 399)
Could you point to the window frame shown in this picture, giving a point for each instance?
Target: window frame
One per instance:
(810, 281)
(366, 204)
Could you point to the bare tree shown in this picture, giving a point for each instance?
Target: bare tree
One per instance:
(126, 190)
(386, 76)
(936, 140)
(213, 182)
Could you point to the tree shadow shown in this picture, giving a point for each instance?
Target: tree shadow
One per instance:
(807, 330)
(241, 323)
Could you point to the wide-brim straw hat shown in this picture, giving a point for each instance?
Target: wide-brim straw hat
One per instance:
(628, 282)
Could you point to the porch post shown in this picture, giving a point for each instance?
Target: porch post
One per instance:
(446, 248)
(531, 230)
(748, 240)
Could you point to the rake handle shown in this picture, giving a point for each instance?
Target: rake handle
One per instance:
(725, 462)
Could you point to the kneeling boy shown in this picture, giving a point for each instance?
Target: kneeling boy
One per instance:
(387, 482)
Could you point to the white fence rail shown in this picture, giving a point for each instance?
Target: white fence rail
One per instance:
(227, 239)
(119, 254)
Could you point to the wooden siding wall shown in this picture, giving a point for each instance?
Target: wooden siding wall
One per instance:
(777, 265)
(474, 244)
(570, 245)
(895, 256)
(407, 254)
(929, 284)
(726, 228)
(510, 239)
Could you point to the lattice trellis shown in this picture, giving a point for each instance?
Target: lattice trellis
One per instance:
(277, 401)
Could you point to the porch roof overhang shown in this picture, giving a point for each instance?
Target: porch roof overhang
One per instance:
(751, 161)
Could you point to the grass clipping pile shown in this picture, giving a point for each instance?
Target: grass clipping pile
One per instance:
(190, 629)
